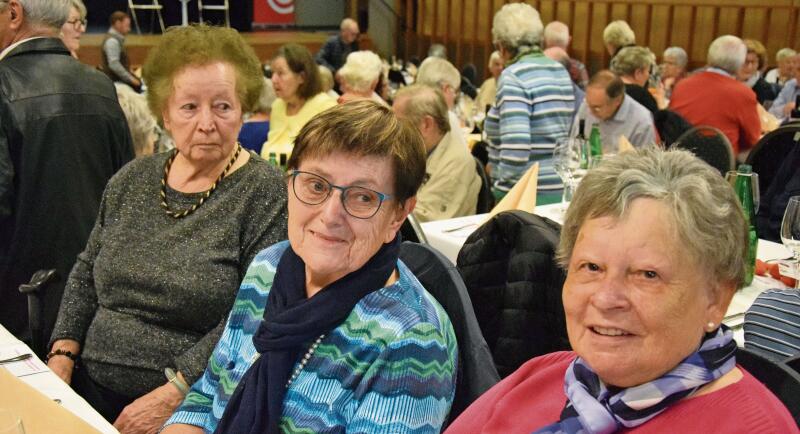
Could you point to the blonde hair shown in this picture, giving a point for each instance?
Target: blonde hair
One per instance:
(631, 59)
(434, 71)
(619, 34)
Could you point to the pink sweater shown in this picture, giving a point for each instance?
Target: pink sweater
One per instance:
(533, 397)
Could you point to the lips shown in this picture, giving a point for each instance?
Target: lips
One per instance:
(610, 331)
(327, 238)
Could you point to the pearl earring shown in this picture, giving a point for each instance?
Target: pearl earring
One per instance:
(710, 326)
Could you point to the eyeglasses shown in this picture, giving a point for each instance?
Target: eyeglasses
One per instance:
(77, 23)
(359, 202)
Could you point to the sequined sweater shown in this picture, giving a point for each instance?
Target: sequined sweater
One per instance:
(150, 291)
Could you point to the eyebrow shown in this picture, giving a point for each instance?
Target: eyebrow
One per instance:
(358, 182)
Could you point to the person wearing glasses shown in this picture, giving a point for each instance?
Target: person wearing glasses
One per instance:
(330, 331)
(74, 27)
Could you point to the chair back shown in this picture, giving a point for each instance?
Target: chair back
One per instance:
(411, 230)
(710, 145)
(35, 290)
(146, 5)
(670, 126)
(771, 151)
(778, 377)
(485, 196)
(218, 6)
(476, 371)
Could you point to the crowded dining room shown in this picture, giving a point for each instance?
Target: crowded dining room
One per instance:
(405, 216)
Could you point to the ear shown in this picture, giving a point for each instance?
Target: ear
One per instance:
(719, 299)
(17, 14)
(400, 214)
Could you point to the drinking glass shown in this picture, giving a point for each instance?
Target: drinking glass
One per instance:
(10, 422)
(790, 229)
(567, 164)
(731, 176)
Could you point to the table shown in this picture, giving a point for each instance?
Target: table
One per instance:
(448, 236)
(46, 382)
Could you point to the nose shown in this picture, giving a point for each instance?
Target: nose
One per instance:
(333, 209)
(205, 122)
(611, 293)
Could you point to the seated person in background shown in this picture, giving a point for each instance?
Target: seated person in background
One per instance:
(673, 68)
(654, 245)
(714, 97)
(616, 114)
(173, 237)
(359, 76)
(441, 74)
(633, 66)
(488, 90)
(141, 122)
(772, 324)
(618, 35)
(750, 73)
(787, 100)
(295, 79)
(74, 27)
(451, 184)
(556, 35)
(326, 80)
(349, 340)
(256, 128)
(785, 57)
(334, 52)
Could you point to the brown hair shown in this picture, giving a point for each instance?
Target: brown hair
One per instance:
(117, 16)
(758, 48)
(301, 62)
(609, 81)
(199, 45)
(365, 128)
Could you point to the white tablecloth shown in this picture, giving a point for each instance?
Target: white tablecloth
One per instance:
(448, 236)
(50, 385)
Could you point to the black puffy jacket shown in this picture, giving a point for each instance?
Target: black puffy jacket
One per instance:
(515, 285)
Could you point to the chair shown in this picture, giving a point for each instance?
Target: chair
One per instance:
(155, 6)
(412, 231)
(476, 371)
(770, 152)
(35, 290)
(709, 145)
(778, 377)
(204, 6)
(485, 195)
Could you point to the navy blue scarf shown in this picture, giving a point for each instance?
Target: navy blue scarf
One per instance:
(291, 322)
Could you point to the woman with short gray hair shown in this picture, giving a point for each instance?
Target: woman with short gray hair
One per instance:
(673, 68)
(634, 66)
(618, 34)
(359, 76)
(74, 27)
(654, 245)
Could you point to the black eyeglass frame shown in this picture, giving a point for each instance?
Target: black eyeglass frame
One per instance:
(382, 197)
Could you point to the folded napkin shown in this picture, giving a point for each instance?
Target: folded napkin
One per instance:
(522, 196)
(624, 144)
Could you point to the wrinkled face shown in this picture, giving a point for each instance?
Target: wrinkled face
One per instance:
(284, 80)
(598, 102)
(496, 67)
(786, 66)
(671, 68)
(635, 305)
(72, 30)
(350, 34)
(331, 242)
(204, 114)
(749, 68)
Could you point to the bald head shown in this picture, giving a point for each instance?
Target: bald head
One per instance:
(604, 94)
(556, 34)
(349, 30)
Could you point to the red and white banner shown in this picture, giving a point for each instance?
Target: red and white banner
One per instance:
(273, 12)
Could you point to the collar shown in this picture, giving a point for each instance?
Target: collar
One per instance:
(11, 47)
(719, 71)
(115, 33)
(622, 111)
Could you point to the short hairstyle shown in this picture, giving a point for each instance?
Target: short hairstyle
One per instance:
(495, 56)
(706, 215)
(361, 70)
(631, 59)
(727, 53)
(264, 103)
(117, 16)
(437, 50)
(140, 121)
(556, 34)
(619, 34)
(48, 13)
(754, 46)
(435, 71)
(518, 28)
(78, 4)
(679, 54)
(199, 45)
(301, 62)
(348, 22)
(613, 85)
(784, 53)
(424, 101)
(366, 128)
(325, 78)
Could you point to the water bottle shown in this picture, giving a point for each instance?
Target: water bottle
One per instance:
(595, 143)
(744, 191)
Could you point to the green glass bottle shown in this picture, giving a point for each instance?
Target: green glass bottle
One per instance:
(744, 191)
(273, 159)
(584, 145)
(595, 144)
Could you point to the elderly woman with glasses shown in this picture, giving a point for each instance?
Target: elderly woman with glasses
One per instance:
(654, 245)
(330, 332)
(74, 27)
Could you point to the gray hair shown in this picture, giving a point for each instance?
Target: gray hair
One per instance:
(424, 101)
(707, 218)
(264, 103)
(325, 78)
(727, 53)
(78, 4)
(784, 53)
(631, 59)
(49, 13)
(495, 56)
(518, 28)
(679, 54)
(435, 71)
(556, 34)
(141, 122)
(437, 50)
(619, 34)
(361, 70)
(348, 23)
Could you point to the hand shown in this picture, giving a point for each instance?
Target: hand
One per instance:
(62, 366)
(179, 428)
(147, 414)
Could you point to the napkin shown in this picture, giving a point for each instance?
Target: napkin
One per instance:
(522, 196)
(624, 144)
(768, 121)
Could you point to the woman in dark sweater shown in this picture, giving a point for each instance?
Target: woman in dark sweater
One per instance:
(633, 65)
(173, 237)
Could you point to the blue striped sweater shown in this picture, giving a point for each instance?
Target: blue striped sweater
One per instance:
(389, 367)
(534, 108)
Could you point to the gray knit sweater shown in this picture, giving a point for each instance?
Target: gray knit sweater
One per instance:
(150, 291)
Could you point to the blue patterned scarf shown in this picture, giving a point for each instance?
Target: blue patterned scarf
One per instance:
(594, 408)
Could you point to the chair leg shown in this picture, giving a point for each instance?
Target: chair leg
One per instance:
(135, 20)
(227, 14)
(200, 11)
(160, 19)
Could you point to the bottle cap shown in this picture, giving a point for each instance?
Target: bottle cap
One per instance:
(745, 169)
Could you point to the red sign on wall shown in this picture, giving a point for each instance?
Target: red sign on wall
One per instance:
(273, 11)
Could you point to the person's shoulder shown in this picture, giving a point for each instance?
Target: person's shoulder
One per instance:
(321, 101)
(270, 256)
(261, 173)
(136, 169)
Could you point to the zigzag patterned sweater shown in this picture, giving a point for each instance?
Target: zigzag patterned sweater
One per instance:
(389, 367)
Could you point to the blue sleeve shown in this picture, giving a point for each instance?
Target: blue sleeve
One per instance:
(785, 97)
(514, 148)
